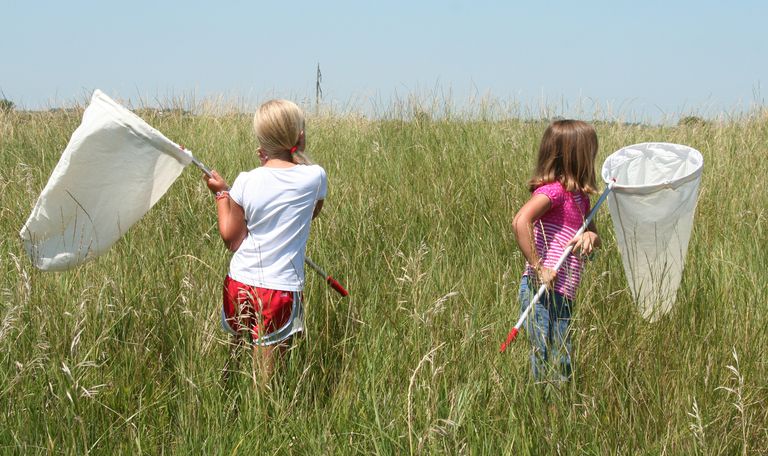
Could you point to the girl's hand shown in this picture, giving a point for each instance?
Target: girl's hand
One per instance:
(546, 276)
(215, 183)
(585, 243)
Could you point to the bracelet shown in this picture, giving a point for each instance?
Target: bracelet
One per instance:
(222, 194)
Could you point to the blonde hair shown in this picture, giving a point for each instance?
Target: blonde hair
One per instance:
(279, 125)
(567, 155)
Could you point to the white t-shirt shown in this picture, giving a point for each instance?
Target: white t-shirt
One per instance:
(278, 205)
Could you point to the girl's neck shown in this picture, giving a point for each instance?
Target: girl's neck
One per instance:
(279, 163)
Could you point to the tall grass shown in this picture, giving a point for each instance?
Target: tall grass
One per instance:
(124, 354)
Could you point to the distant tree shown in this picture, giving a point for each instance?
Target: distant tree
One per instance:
(6, 105)
(691, 121)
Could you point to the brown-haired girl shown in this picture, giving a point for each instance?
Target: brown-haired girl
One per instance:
(544, 227)
(264, 219)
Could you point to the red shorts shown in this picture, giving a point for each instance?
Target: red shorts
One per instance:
(261, 310)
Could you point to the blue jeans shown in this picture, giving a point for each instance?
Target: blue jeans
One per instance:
(547, 328)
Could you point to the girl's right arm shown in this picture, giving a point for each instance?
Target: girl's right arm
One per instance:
(231, 216)
(522, 225)
(232, 225)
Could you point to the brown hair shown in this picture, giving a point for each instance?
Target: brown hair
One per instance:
(567, 155)
(279, 125)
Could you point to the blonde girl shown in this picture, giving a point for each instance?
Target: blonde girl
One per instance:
(265, 220)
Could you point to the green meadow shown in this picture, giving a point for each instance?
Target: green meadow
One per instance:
(124, 354)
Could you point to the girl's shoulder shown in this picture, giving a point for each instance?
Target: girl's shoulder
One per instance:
(550, 187)
(311, 171)
(245, 176)
(315, 170)
(552, 190)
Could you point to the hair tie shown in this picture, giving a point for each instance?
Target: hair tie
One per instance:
(294, 149)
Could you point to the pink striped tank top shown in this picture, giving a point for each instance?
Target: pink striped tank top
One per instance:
(555, 229)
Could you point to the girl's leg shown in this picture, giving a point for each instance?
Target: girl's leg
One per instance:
(537, 326)
(270, 310)
(561, 335)
(264, 359)
(263, 364)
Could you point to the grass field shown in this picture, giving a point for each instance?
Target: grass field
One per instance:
(124, 354)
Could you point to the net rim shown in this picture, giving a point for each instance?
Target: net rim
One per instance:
(669, 184)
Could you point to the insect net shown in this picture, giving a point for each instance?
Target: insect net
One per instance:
(652, 206)
(113, 170)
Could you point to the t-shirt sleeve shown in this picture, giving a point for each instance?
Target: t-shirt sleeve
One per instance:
(554, 191)
(237, 189)
(323, 185)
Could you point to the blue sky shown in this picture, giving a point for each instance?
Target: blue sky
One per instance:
(622, 59)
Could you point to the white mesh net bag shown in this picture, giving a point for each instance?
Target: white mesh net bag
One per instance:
(114, 169)
(652, 205)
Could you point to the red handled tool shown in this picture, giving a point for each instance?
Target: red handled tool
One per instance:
(331, 281)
